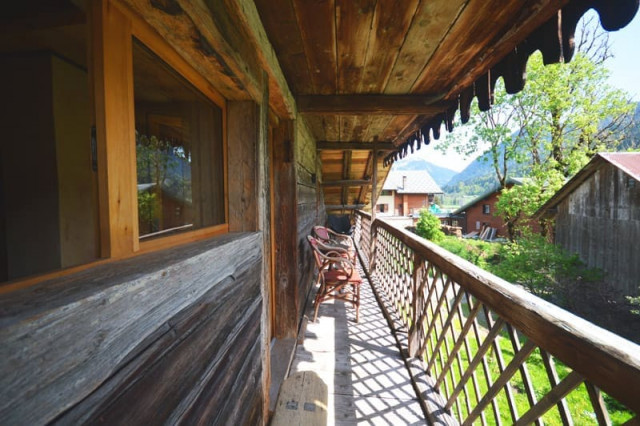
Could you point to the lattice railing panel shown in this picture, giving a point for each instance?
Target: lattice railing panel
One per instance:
(494, 353)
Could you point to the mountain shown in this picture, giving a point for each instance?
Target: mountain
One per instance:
(441, 175)
(479, 176)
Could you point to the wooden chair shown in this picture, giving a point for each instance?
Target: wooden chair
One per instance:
(329, 239)
(338, 277)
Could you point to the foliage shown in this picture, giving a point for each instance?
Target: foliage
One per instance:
(565, 114)
(428, 226)
(543, 268)
(148, 210)
(634, 301)
(483, 254)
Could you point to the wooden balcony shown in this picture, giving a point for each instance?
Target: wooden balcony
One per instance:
(478, 349)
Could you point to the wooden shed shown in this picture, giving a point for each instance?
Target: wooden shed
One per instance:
(597, 216)
(121, 304)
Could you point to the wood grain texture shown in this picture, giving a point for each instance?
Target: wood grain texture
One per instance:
(201, 44)
(115, 127)
(353, 23)
(388, 30)
(285, 235)
(317, 24)
(370, 104)
(429, 27)
(605, 205)
(151, 338)
(242, 136)
(246, 15)
(280, 22)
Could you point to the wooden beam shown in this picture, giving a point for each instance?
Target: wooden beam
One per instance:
(372, 104)
(348, 182)
(346, 174)
(280, 97)
(344, 207)
(355, 146)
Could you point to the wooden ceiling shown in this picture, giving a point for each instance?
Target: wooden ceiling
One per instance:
(390, 73)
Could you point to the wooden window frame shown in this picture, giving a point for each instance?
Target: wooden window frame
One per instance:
(112, 27)
(150, 39)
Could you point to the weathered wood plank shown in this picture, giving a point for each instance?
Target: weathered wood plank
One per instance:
(355, 145)
(353, 23)
(280, 96)
(192, 33)
(429, 26)
(285, 256)
(317, 24)
(280, 22)
(389, 27)
(242, 134)
(371, 104)
(470, 38)
(65, 339)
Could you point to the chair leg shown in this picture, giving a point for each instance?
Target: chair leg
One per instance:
(315, 313)
(357, 301)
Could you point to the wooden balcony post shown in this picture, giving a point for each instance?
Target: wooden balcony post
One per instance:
(414, 344)
(374, 186)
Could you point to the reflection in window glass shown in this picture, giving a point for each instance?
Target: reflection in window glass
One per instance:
(179, 151)
(48, 182)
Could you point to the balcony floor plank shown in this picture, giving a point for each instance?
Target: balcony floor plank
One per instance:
(360, 365)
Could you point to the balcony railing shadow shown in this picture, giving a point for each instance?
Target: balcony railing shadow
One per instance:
(360, 364)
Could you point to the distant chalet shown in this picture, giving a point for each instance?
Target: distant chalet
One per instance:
(597, 216)
(406, 192)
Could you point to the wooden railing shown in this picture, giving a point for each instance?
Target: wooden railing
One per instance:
(493, 352)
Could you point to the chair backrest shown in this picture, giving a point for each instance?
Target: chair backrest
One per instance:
(321, 233)
(316, 251)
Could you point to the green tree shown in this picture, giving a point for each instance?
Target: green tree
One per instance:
(565, 114)
(428, 226)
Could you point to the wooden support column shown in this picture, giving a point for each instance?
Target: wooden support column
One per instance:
(111, 67)
(346, 174)
(285, 231)
(374, 184)
(243, 128)
(372, 250)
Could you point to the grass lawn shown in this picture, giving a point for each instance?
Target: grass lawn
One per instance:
(578, 401)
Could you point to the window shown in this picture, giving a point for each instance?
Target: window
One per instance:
(382, 208)
(48, 189)
(486, 209)
(385, 192)
(179, 150)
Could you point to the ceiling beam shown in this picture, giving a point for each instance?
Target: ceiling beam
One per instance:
(355, 146)
(372, 104)
(344, 207)
(347, 182)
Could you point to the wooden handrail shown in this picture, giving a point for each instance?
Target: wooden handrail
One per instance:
(605, 359)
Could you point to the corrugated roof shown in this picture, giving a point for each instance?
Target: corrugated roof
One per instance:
(628, 162)
(417, 182)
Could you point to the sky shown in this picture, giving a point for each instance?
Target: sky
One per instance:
(625, 74)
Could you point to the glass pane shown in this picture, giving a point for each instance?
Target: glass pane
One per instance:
(48, 182)
(178, 150)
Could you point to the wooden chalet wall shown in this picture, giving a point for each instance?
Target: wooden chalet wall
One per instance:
(609, 208)
(309, 201)
(167, 337)
(297, 200)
